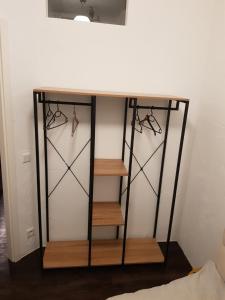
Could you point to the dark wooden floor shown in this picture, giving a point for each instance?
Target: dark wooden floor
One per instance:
(24, 280)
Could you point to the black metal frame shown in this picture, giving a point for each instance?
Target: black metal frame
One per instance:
(123, 156)
(91, 182)
(129, 180)
(184, 124)
(35, 99)
(162, 168)
(134, 106)
(40, 97)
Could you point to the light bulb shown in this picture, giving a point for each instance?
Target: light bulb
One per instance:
(81, 18)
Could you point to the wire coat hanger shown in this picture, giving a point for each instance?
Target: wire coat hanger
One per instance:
(49, 112)
(152, 122)
(55, 118)
(155, 124)
(75, 121)
(138, 120)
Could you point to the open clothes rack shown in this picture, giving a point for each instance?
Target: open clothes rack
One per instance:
(118, 251)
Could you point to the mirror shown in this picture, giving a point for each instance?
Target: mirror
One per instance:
(100, 11)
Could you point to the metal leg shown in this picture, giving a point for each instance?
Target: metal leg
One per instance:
(129, 180)
(176, 177)
(162, 168)
(46, 163)
(123, 155)
(91, 183)
(38, 175)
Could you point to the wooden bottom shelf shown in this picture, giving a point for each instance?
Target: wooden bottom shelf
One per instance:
(65, 254)
(141, 251)
(104, 252)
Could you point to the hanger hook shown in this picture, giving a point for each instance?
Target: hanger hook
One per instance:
(75, 121)
(151, 111)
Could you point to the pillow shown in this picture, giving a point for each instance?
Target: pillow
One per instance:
(220, 259)
(206, 284)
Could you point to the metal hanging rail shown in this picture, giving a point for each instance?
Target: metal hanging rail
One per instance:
(153, 107)
(65, 102)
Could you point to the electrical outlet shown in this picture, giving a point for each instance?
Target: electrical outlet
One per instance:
(26, 157)
(30, 232)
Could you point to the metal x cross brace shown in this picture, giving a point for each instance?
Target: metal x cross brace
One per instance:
(68, 167)
(142, 167)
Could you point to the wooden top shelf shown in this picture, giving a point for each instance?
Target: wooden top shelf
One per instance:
(119, 94)
(110, 167)
(107, 214)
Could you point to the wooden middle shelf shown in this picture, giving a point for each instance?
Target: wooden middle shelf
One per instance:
(107, 214)
(110, 167)
(104, 252)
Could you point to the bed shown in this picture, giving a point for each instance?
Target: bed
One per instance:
(207, 284)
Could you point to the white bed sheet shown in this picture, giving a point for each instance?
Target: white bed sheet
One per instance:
(207, 284)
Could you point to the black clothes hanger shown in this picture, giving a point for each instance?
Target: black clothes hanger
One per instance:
(58, 119)
(75, 121)
(49, 112)
(155, 123)
(139, 122)
(152, 122)
(148, 121)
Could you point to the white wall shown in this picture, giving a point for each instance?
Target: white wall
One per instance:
(163, 48)
(203, 219)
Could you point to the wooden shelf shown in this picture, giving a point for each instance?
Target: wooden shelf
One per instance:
(138, 251)
(104, 252)
(141, 251)
(107, 214)
(66, 254)
(110, 167)
(79, 92)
